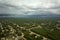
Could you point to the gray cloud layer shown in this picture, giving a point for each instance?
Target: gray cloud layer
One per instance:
(29, 7)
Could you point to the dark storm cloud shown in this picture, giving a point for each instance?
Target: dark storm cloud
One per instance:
(9, 9)
(29, 7)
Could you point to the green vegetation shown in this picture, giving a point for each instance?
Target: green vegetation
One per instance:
(29, 29)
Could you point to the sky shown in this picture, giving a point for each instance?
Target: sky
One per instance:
(29, 7)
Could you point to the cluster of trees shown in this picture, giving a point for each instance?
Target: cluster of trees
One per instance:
(7, 30)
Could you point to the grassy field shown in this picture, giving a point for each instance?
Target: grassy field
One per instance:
(29, 29)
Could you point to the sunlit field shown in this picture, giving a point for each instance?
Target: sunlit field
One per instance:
(29, 29)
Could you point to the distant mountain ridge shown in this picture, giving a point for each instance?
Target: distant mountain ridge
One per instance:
(30, 16)
(43, 16)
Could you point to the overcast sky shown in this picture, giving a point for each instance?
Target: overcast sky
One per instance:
(29, 7)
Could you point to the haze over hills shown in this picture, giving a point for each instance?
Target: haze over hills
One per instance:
(30, 16)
